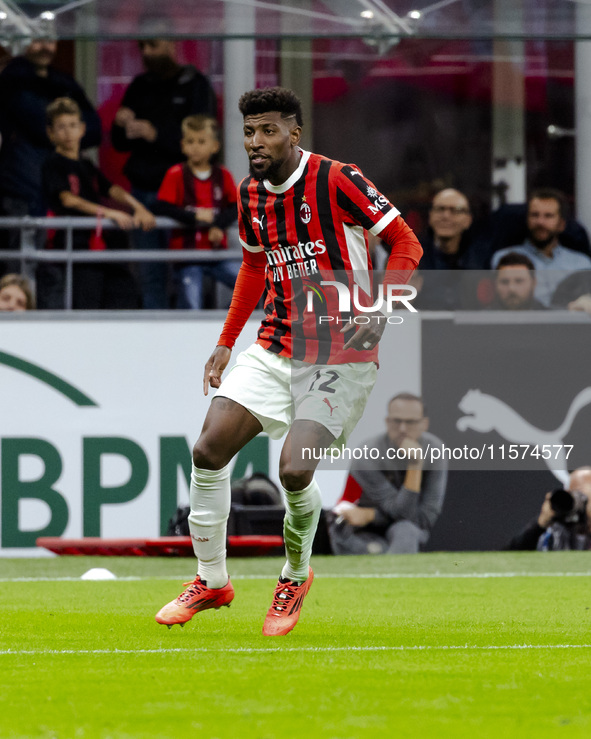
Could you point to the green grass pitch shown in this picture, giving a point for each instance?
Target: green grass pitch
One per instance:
(435, 645)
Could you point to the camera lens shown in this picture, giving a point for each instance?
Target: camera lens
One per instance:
(562, 502)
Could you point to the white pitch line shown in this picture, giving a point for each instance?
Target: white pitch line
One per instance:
(260, 650)
(344, 576)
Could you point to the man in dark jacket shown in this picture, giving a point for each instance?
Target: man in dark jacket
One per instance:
(451, 254)
(148, 125)
(28, 84)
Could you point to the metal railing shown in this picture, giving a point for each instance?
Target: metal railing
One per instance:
(28, 254)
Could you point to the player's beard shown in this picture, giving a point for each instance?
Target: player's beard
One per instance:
(267, 173)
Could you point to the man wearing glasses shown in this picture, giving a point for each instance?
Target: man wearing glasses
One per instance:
(449, 249)
(447, 243)
(391, 503)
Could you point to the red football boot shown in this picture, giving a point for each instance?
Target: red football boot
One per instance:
(197, 597)
(288, 599)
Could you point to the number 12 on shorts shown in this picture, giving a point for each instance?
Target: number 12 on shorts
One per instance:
(326, 386)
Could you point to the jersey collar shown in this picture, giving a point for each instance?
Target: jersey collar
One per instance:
(293, 177)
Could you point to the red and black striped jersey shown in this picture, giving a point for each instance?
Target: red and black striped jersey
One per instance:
(312, 230)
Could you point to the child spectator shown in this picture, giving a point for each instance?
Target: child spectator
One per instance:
(73, 186)
(201, 194)
(16, 293)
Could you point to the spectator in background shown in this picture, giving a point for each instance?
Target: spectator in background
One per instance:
(582, 304)
(515, 284)
(27, 85)
(392, 506)
(546, 220)
(508, 225)
(16, 293)
(449, 248)
(447, 245)
(201, 194)
(73, 186)
(148, 125)
(574, 292)
(564, 520)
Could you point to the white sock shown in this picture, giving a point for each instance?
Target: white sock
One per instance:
(302, 511)
(210, 507)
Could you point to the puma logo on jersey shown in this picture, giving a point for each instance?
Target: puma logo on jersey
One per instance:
(327, 401)
(259, 220)
(488, 413)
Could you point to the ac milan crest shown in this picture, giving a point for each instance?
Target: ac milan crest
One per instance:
(305, 213)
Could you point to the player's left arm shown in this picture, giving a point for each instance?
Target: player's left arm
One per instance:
(404, 258)
(361, 203)
(405, 251)
(364, 205)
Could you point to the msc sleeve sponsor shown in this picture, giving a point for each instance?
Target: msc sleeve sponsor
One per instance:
(359, 198)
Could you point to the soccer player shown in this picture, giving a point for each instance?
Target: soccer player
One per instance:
(302, 220)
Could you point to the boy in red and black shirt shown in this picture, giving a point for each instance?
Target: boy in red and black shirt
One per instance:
(73, 186)
(203, 195)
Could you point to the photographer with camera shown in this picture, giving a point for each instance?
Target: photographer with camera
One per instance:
(564, 521)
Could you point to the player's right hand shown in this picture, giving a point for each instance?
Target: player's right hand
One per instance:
(216, 364)
(368, 335)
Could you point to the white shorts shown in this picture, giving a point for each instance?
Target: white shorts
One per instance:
(278, 390)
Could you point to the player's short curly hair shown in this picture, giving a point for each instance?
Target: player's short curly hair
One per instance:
(270, 99)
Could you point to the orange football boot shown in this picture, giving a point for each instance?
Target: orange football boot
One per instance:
(288, 599)
(197, 597)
